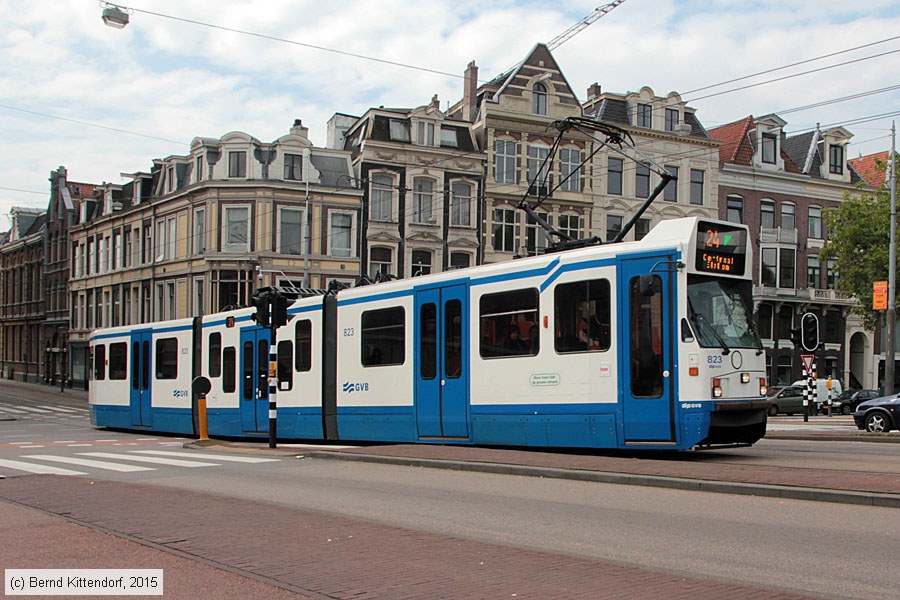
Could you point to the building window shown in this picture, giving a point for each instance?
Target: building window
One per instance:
(399, 131)
(421, 262)
(340, 234)
(642, 180)
(764, 321)
(670, 193)
(671, 119)
(787, 215)
(734, 209)
(536, 239)
(383, 335)
(815, 222)
(237, 164)
(570, 164)
(769, 147)
(423, 194)
(505, 161)
(538, 170)
(697, 186)
(813, 273)
(290, 231)
(381, 260)
(292, 166)
(641, 229)
(504, 230)
(836, 159)
(199, 231)
(449, 137)
(460, 260)
(644, 115)
(198, 168)
(380, 208)
(613, 226)
(570, 225)
(783, 377)
(539, 99)
(786, 267)
(767, 214)
(425, 134)
(831, 275)
(769, 267)
(614, 176)
(236, 236)
(460, 204)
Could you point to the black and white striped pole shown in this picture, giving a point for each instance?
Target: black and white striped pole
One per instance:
(273, 386)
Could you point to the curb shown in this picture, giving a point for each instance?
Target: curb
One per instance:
(677, 483)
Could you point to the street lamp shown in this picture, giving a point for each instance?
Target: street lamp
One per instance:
(114, 16)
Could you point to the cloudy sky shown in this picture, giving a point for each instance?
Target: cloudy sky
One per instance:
(163, 80)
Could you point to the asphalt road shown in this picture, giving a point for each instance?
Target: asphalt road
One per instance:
(838, 551)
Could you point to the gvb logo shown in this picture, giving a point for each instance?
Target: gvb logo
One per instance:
(350, 387)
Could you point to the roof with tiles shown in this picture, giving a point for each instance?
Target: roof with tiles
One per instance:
(735, 148)
(866, 166)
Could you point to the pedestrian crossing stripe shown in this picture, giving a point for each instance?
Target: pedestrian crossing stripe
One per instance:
(97, 464)
(225, 457)
(132, 455)
(36, 468)
(151, 459)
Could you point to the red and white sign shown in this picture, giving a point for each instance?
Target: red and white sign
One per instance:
(807, 362)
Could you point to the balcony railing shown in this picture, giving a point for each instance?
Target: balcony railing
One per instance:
(777, 236)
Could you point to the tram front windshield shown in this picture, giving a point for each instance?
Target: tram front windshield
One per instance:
(720, 313)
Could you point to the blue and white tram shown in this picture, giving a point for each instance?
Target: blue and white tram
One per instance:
(645, 344)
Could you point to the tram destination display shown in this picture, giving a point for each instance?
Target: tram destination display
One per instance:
(721, 248)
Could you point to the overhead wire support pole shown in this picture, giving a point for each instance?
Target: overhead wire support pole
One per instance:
(892, 273)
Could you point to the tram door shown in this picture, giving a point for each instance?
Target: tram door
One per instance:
(441, 364)
(646, 371)
(141, 383)
(255, 380)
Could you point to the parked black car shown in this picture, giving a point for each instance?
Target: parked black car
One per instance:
(879, 415)
(847, 402)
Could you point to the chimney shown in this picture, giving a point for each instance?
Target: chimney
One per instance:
(593, 91)
(435, 103)
(299, 129)
(470, 90)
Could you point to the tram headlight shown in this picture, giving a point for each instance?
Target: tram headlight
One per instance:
(763, 388)
(717, 388)
(745, 377)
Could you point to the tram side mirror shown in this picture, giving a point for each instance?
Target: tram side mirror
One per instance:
(647, 285)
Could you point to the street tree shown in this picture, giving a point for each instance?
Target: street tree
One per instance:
(859, 233)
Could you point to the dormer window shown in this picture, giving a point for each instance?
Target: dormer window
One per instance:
(671, 119)
(836, 159)
(448, 137)
(644, 116)
(399, 131)
(539, 99)
(769, 148)
(292, 166)
(237, 164)
(425, 134)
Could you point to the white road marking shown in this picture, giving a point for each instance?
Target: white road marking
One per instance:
(225, 457)
(36, 409)
(16, 411)
(61, 409)
(151, 459)
(39, 469)
(89, 463)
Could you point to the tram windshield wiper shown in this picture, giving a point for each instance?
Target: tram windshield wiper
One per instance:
(699, 319)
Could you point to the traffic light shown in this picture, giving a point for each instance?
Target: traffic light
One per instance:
(809, 332)
(280, 304)
(261, 316)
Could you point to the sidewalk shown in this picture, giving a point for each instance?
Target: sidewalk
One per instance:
(314, 554)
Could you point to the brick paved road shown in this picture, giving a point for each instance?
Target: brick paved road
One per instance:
(327, 556)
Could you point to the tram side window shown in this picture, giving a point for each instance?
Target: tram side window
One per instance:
(509, 323)
(167, 358)
(303, 343)
(285, 361)
(383, 337)
(582, 316)
(215, 354)
(229, 368)
(100, 362)
(118, 361)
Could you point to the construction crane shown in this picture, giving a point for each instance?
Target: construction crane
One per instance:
(572, 31)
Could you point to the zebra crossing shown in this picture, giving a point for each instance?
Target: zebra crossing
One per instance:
(120, 462)
(27, 411)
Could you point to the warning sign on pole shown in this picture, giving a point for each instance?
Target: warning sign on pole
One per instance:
(807, 362)
(879, 295)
